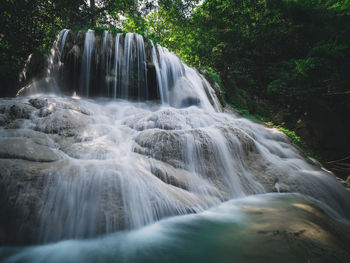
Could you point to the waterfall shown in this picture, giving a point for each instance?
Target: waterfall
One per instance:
(159, 146)
(106, 58)
(126, 67)
(169, 69)
(53, 71)
(141, 68)
(86, 62)
(63, 36)
(116, 65)
(127, 63)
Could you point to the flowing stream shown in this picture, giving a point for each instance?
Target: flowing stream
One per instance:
(161, 148)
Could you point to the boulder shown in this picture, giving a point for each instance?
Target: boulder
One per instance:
(76, 168)
(26, 149)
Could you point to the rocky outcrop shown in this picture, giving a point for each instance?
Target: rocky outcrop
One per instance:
(23, 148)
(324, 130)
(56, 151)
(64, 68)
(76, 168)
(215, 85)
(31, 133)
(35, 68)
(127, 66)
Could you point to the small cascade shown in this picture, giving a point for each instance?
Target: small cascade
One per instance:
(86, 63)
(169, 69)
(127, 59)
(100, 64)
(106, 61)
(50, 80)
(141, 67)
(63, 35)
(117, 65)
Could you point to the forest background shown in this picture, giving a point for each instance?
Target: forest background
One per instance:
(283, 62)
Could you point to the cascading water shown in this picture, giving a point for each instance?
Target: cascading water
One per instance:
(86, 63)
(128, 55)
(168, 69)
(126, 67)
(104, 165)
(63, 35)
(141, 67)
(117, 66)
(106, 61)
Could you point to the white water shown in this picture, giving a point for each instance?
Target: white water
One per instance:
(169, 69)
(128, 56)
(132, 164)
(123, 63)
(264, 228)
(63, 35)
(141, 67)
(116, 65)
(86, 62)
(49, 83)
(106, 60)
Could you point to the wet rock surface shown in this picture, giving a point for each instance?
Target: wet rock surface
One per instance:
(262, 228)
(122, 165)
(26, 149)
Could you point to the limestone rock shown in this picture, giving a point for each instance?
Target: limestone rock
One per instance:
(26, 149)
(39, 102)
(123, 165)
(64, 122)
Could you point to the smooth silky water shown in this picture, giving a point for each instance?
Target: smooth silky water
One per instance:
(180, 157)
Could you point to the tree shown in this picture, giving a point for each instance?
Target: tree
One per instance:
(92, 7)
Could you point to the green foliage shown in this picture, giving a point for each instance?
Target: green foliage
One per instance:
(135, 23)
(245, 112)
(114, 30)
(295, 139)
(212, 75)
(291, 134)
(293, 53)
(138, 24)
(28, 26)
(111, 29)
(348, 181)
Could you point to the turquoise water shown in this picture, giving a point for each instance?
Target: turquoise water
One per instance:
(262, 228)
